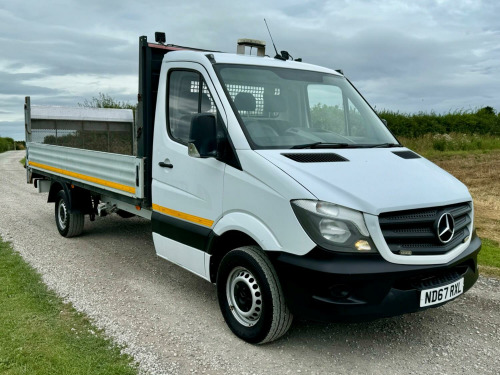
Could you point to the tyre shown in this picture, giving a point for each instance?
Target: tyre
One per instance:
(68, 224)
(250, 296)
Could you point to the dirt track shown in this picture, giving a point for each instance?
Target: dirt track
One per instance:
(171, 322)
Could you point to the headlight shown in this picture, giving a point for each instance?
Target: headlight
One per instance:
(334, 227)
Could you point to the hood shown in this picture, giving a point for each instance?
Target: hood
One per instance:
(372, 180)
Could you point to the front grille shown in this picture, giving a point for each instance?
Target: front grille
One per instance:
(415, 231)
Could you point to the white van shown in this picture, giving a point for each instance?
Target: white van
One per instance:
(273, 179)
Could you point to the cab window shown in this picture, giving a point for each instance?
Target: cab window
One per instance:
(185, 99)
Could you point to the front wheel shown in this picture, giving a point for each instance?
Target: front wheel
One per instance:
(250, 296)
(69, 224)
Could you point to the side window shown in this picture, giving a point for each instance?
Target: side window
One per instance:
(185, 99)
(326, 108)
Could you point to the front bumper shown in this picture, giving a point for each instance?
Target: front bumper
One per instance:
(328, 286)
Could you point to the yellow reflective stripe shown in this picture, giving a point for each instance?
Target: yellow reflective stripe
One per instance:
(182, 215)
(99, 181)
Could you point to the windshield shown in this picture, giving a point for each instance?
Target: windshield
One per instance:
(288, 108)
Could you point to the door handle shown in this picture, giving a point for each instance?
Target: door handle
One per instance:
(165, 165)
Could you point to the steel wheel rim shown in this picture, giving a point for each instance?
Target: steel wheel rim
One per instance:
(62, 214)
(244, 296)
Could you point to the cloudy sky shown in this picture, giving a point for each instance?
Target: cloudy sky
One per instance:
(402, 55)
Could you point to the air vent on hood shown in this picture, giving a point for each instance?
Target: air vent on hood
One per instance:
(325, 157)
(406, 154)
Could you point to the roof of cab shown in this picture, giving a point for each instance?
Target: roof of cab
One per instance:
(229, 58)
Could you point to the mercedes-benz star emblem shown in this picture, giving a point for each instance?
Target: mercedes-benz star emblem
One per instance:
(445, 227)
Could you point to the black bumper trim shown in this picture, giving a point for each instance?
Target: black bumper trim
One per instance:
(326, 286)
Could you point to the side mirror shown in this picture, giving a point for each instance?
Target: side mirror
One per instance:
(203, 136)
(384, 121)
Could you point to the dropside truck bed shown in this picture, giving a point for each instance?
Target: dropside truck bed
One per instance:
(69, 148)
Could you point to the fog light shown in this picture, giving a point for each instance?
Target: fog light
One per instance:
(362, 245)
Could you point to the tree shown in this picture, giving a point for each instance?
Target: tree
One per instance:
(6, 144)
(486, 111)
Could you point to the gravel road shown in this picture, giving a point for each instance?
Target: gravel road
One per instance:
(170, 321)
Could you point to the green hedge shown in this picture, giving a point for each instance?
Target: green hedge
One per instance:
(481, 121)
(7, 144)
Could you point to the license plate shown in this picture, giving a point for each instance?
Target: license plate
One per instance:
(441, 294)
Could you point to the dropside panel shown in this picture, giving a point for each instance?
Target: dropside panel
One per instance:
(122, 174)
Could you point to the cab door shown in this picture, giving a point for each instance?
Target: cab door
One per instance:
(186, 191)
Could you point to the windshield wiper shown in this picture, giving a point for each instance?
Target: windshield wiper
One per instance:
(322, 145)
(388, 145)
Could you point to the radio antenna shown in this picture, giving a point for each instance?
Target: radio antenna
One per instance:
(278, 56)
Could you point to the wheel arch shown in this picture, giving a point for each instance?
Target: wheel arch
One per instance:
(219, 246)
(79, 199)
(56, 187)
(237, 229)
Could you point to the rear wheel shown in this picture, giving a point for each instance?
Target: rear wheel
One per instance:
(69, 224)
(250, 296)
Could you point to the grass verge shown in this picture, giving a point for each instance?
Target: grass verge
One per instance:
(489, 258)
(40, 334)
(23, 161)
